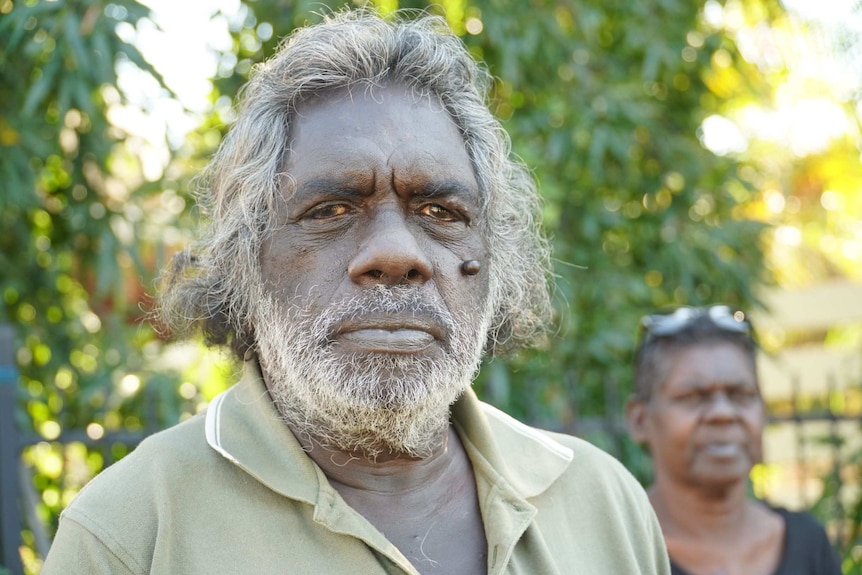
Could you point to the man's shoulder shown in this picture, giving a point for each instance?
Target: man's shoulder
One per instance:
(177, 445)
(592, 509)
(161, 459)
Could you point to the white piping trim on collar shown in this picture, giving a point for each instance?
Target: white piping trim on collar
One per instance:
(530, 433)
(212, 428)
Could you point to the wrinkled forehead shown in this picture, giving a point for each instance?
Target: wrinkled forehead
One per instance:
(364, 105)
(371, 132)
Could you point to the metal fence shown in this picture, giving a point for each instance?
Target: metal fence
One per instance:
(18, 497)
(10, 515)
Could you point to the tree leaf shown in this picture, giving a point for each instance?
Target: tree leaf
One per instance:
(40, 89)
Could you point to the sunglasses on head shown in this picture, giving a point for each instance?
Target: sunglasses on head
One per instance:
(722, 316)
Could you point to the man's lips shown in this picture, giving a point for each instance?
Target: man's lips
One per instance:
(389, 333)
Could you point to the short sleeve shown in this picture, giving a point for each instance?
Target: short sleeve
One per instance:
(77, 551)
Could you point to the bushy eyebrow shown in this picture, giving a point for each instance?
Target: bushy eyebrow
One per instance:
(348, 188)
(447, 188)
(333, 187)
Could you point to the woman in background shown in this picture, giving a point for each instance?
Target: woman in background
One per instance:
(697, 408)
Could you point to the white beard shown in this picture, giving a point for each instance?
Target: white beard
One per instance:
(367, 402)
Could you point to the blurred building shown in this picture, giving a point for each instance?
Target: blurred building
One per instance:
(811, 376)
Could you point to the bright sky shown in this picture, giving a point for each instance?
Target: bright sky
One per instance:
(808, 112)
(181, 43)
(183, 49)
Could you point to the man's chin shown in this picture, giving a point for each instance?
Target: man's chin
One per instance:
(391, 398)
(396, 427)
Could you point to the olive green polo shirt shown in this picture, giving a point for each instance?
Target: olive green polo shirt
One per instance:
(231, 491)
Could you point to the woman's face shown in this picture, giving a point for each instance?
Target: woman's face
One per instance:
(704, 422)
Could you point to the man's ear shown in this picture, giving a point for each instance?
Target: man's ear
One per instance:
(636, 420)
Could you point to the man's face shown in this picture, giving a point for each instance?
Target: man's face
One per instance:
(704, 423)
(368, 330)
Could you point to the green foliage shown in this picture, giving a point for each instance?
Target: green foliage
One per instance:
(72, 260)
(843, 510)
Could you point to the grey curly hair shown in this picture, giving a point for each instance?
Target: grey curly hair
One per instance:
(210, 286)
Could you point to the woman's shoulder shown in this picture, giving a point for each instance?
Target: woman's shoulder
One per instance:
(800, 522)
(806, 546)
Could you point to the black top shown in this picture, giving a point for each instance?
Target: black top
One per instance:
(807, 550)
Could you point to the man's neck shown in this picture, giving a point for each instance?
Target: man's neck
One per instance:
(428, 508)
(386, 473)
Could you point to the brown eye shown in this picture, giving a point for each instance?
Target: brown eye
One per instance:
(326, 211)
(438, 212)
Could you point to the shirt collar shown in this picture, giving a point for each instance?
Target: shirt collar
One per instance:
(244, 426)
(528, 459)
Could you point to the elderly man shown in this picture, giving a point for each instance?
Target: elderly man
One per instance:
(371, 239)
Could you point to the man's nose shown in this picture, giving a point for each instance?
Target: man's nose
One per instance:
(389, 253)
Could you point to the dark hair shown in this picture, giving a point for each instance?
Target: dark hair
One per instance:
(653, 351)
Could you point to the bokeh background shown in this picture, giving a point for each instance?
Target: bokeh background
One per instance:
(689, 153)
